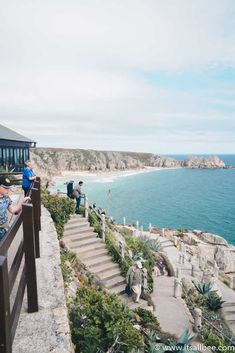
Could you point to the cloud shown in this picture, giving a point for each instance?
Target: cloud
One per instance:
(77, 73)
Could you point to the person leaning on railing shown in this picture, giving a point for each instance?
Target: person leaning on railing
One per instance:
(28, 177)
(77, 193)
(6, 205)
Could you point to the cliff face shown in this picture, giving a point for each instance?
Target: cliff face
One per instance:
(52, 161)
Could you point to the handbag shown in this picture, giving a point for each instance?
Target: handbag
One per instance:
(128, 290)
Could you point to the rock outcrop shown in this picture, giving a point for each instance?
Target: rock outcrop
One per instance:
(203, 162)
(52, 161)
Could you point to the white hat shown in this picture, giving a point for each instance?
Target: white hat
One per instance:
(138, 264)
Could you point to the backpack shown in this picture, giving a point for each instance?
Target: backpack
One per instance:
(70, 190)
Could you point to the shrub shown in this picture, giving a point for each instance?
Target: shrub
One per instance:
(60, 209)
(153, 244)
(95, 222)
(98, 319)
(113, 250)
(212, 338)
(147, 319)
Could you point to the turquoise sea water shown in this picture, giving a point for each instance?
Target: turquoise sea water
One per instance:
(178, 198)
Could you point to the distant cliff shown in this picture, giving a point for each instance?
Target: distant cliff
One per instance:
(53, 161)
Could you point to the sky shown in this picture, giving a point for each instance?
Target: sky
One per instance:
(129, 75)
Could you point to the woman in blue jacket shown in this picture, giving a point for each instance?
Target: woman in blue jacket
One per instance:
(28, 177)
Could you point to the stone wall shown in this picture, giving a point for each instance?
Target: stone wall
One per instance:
(48, 329)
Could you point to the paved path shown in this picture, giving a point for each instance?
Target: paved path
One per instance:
(227, 293)
(171, 312)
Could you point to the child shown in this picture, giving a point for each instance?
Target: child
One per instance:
(6, 205)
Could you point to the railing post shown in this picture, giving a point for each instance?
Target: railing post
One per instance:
(37, 185)
(36, 220)
(122, 248)
(124, 221)
(29, 250)
(5, 328)
(86, 207)
(137, 225)
(177, 288)
(150, 227)
(197, 319)
(103, 226)
(178, 272)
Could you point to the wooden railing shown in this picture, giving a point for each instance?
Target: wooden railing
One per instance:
(24, 258)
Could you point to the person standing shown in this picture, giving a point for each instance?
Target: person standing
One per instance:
(77, 193)
(28, 177)
(135, 279)
(6, 205)
(70, 189)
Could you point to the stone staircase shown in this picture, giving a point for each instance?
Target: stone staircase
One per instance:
(81, 238)
(229, 313)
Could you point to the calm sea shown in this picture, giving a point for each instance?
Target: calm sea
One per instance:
(178, 198)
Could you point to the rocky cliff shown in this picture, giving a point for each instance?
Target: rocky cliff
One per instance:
(52, 161)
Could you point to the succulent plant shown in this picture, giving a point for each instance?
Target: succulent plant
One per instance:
(214, 301)
(154, 244)
(203, 288)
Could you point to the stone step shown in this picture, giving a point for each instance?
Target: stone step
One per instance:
(110, 273)
(80, 237)
(96, 261)
(115, 281)
(95, 252)
(166, 242)
(89, 241)
(77, 218)
(89, 248)
(118, 289)
(167, 246)
(76, 226)
(229, 310)
(101, 269)
(228, 304)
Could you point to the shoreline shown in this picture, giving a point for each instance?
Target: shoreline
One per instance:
(106, 176)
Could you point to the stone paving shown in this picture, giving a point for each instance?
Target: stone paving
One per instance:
(46, 330)
(171, 312)
(227, 293)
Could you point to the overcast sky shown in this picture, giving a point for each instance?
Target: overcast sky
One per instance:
(137, 75)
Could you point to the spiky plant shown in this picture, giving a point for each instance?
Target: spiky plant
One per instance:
(203, 288)
(214, 301)
(182, 345)
(154, 244)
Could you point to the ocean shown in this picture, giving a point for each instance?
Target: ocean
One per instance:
(202, 199)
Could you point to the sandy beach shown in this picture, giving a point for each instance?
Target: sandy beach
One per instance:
(102, 176)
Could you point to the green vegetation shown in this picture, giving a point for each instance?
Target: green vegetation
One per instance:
(203, 288)
(214, 301)
(60, 209)
(98, 319)
(154, 244)
(182, 345)
(140, 249)
(211, 314)
(94, 222)
(147, 319)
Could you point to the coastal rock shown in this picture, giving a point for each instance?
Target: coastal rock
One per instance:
(203, 162)
(212, 239)
(53, 161)
(225, 259)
